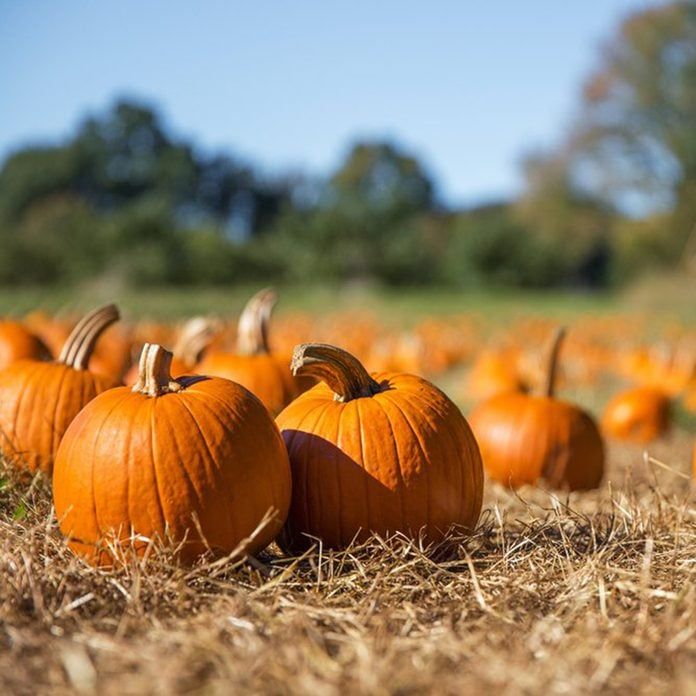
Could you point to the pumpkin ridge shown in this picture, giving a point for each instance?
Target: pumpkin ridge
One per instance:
(452, 451)
(98, 526)
(441, 451)
(314, 439)
(366, 474)
(339, 507)
(158, 488)
(172, 438)
(424, 462)
(249, 395)
(27, 377)
(397, 466)
(292, 434)
(217, 472)
(59, 392)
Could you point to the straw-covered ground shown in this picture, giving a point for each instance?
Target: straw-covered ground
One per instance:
(592, 592)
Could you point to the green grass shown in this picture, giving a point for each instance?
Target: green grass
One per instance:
(662, 300)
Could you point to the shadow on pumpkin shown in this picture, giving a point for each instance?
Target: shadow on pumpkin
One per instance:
(338, 503)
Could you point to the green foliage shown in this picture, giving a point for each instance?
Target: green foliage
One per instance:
(125, 198)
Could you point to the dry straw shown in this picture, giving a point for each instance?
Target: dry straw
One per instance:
(591, 593)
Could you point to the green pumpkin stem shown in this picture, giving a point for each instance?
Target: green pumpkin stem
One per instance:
(252, 329)
(554, 354)
(79, 347)
(341, 371)
(154, 372)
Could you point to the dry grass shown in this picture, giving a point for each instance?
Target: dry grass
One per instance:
(589, 593)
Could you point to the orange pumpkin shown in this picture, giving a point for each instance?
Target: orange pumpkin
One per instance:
(640, 415)
(39, 399)
(197, 462)
(525, 438)
(52, 331)
(254, 366)
(384, 453)
(18, 343)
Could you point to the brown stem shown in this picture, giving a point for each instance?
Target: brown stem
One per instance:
(154, 372)
(343, 372)
(194, 338)
(554, 353)
(78, 349)
(252, 329)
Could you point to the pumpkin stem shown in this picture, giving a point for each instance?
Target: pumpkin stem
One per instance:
(79, 347)
(343, 372)
(252, 329)
(554, 353)
(194, 338)
(154, 372)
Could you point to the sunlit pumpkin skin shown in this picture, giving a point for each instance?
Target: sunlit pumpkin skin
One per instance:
(266, 376)
(38, 400)
(378, 454)
(18, 343)
(197, 463)
(639, 415)
(526, 439)
(253, 365)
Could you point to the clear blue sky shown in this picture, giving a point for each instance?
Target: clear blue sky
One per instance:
(467, 85)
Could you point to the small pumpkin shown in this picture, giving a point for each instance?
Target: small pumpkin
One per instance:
(639, 414)
(38, 400)
(379, 453)
(197, 462)
(525, 438)
(18, 343)
(253, 365)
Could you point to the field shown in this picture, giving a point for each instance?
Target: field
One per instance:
(559, 593)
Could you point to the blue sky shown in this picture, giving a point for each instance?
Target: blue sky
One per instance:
(468, 86)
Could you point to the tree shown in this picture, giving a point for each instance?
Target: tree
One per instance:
(637, 132)
(381, 178)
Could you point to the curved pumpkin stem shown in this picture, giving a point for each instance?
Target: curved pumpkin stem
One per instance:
(154, 372)
(554, 353)
(343, 372)
(79, 347)
(194, 338)
(252, 329)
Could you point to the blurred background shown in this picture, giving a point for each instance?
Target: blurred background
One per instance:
(430, 152)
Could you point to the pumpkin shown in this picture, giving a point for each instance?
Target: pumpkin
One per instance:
(51, 330)
(18, 343)
(525, 439)
(640, 415)
(112, 354)
(196, 462)
(194, 337)
(253, 365)
(495, 372)
(38, 400)
(381, 453)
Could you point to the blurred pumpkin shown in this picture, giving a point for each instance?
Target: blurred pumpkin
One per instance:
(253, 365)
(495, 372)
(525, 438)
(40, 399)
(18, 343)
(375, 454)
(196, 462)
(640, 415)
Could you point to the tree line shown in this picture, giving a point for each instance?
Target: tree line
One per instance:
(123, 197)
